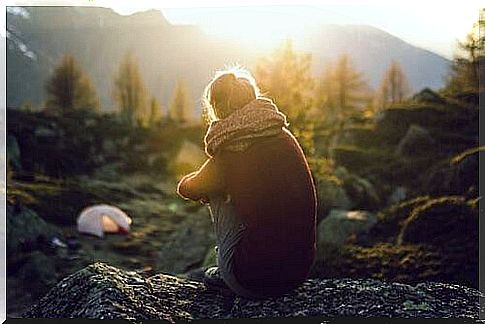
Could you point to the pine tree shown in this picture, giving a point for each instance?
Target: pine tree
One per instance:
(70, 88)
(180, 103)
(394, 87)
(155, 112)
(129, 92)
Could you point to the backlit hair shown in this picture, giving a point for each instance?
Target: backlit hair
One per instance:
(228, 91)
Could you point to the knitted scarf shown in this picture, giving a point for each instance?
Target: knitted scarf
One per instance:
(259, 118)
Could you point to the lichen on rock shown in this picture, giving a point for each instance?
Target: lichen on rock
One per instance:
(105, 292)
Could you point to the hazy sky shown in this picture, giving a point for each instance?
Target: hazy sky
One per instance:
(435, 25)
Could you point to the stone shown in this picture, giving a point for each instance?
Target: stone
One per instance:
(331, 195)
(416, 141)
(360, 190)
(26, 230)
(342, 225)
(442, 221)
(13, 153)
(399, 194)
(188, 245)
(100, 291)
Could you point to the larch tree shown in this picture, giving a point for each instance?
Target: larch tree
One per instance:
(285, 76)
(342, 90)
(394, 87)
(70, 88)
(155, 112)
(180, 103)
(467, 65)
(129, 92)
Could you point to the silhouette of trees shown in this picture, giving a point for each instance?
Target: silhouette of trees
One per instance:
(70, 88)
(180, 103)
(285, 76)
(341, 91)
(465, 69)
(129, 92)
(155, 112)
(394, 87)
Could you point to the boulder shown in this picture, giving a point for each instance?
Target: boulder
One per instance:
(442, 221)
(331, 195)
(342, 225)
(100, 291)
(360, 190)
(456, 177)
(13, 153)
(26, 230)
(429, 96)
(399, 194)
(416, 141)
(38, 272)
(188, 245)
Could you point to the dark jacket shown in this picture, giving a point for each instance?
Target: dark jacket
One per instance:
(271, 186)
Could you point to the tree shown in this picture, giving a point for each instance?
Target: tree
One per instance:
(285, 76)
(129, 92)
(465, 69)
(155, 113)
(70, 88)
(180, 103)
(394, 87)
(342, 91)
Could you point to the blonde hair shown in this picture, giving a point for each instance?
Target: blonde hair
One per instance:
(229, 90)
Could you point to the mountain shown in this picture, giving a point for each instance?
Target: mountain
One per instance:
(37, 37)
(372, 51)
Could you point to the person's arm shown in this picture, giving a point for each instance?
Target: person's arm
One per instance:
(199, 185)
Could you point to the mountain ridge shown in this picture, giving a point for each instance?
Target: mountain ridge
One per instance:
(99, 37)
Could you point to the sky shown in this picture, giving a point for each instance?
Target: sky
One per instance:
(434, 25)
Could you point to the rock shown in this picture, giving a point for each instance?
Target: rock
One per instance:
(331, 195)
(210, 259)
(428, 96)
(416, 141)
(38, 271)
(42, 131)
(360, 190)
(456, 177)
(342, 225)
(442, 221)
(13, 153)
(26, 230)
(399, 194)
(391, 219)
(100, 291)
(188, 245)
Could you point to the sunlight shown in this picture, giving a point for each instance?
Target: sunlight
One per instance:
(264, 28)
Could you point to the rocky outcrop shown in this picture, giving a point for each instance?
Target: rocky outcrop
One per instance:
(104, 292)
(187, 246)
(342, 225)
(26, 230)
(416, 141)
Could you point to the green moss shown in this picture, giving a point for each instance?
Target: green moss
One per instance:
(444, 220)
(408, 263)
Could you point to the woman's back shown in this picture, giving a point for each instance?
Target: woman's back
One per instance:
(272, 190)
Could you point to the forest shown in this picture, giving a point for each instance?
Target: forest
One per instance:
(396, 171)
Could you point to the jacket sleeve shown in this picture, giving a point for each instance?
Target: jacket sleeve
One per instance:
(199, 185)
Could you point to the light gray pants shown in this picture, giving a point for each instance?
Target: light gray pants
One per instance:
(229, 230)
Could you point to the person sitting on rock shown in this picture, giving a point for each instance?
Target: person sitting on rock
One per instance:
(259, 189)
